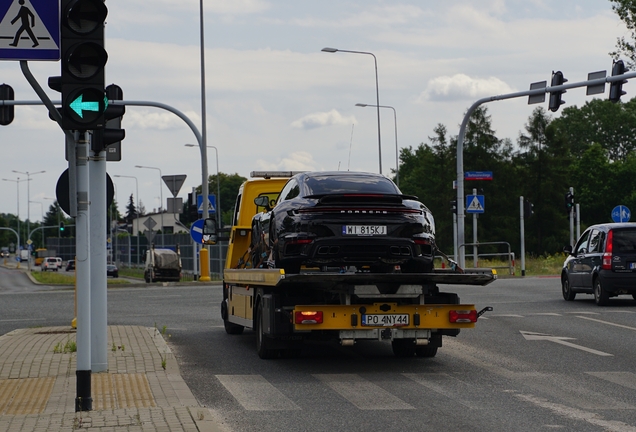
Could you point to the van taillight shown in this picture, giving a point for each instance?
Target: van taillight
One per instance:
(462, 316)
(607, 255)
(308, 317)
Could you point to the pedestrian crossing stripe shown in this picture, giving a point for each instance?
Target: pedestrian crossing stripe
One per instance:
(23, 31)
(475, 205)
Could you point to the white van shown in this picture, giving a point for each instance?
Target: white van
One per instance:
(50, 263)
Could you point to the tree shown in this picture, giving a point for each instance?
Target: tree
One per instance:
(131, 210)
(626, 11)
(229, 185)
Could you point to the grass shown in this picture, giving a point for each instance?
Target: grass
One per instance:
(56, 278)
(549, 265)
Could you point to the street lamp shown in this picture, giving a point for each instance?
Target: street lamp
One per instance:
(160, 197)
(17, 183)
(377, 93)
(28, 174)
(397, 166)
(137, 192)
(218, 182)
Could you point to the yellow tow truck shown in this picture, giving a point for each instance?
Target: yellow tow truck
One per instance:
(284, 310)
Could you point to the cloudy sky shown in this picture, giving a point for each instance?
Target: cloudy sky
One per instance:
(276, 102)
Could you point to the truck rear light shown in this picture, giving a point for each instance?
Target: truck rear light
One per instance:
(463, 316)
(607, 255)
(308, 317)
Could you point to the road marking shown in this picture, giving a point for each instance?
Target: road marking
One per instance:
(25, 319)
(507, 315)
(362, 393)
(577, 414)
(607, 322)
(562, 341)
(547, 314)
(441, 383)
(583, 313)
(254, 393)
(625, 379)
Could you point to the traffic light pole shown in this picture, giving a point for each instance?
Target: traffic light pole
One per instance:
(461, 215)
(523, 236)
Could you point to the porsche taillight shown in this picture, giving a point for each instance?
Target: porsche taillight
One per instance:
(607, 255)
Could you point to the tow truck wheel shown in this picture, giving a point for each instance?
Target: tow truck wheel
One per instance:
(404, 347)
(426, 351)
(263, 343)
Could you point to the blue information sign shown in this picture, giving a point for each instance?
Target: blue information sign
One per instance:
(475, 204)
(478, 175)
(196, 231)
(30, 30)
(621, 213)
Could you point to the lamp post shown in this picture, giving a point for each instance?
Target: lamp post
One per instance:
(28, 174)
(397, 166)
(42, 212)
(377, 93)
(17, 183)
(137, 192)
(160, 197)
(218, 181)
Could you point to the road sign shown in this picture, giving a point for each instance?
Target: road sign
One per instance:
(621, 213)
(174, 183)
(211, 204)
(30, 31)
(478, 175)
(150, 235)
(150, 223)
(196, 231)
(475, 204)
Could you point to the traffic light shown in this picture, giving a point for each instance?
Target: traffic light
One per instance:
(555, 97)
(112, 134)
(61, 227)
(6, 111)
(528, 209)
(569, 202)
(83, 59)
(616, 88)
(453, 204)
(193, 211)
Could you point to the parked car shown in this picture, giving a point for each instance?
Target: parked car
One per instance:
(112, 270)
(70, 265)
(50, 264)
(340, 219)
(602, 263)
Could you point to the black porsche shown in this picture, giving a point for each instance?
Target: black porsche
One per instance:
(343, 219)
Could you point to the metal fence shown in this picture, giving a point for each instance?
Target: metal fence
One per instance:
(506, 256)
(123, 250)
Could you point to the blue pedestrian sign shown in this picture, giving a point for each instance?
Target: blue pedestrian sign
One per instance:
(30, 30)
(475, 204)
(211, 204)
(621, 214)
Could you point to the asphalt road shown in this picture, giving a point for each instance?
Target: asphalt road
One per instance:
(536, 362)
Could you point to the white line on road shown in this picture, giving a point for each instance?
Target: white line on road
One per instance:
(362, 393)
(607, 322)
(561, 340)
(255, 393)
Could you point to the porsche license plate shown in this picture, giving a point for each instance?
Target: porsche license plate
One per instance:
(385, 320)
(364, 230)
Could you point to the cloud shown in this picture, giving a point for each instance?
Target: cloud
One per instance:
(321, 119)
(462, 87)
(160, 120)
(297, 161)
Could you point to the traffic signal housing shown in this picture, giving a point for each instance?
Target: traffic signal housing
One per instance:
(83, 60)
(555, 97)
(112, 134)
(569, 202)
(528, 209)
(6, 111)
(61, 227)
(453, 205)
(616, 87)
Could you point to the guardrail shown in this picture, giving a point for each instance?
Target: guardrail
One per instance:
(510, 256)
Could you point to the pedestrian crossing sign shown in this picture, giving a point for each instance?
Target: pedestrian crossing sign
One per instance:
(29, 30)
(475, 204)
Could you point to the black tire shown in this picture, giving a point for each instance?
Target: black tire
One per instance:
(403, 347)
(232, 329)
(427, 351)
(566, 289)
(146, 277)
(634, 296)
(263, 342)
(601, 297)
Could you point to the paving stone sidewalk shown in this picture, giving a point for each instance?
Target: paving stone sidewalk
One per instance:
(142, 390)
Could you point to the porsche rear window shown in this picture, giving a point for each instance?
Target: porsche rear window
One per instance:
(321, 185)
(624, 241)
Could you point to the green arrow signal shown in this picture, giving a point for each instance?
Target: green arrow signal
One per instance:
(79, 106)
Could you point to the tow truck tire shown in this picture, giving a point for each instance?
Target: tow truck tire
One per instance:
(263, 342)
(403, 347)
(233, 329)
(426, 351)
(566, 289)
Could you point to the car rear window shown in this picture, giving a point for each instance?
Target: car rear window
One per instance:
(624, 241)
(334, 184)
